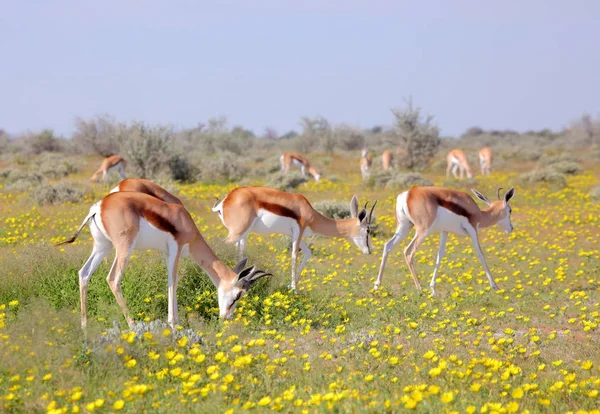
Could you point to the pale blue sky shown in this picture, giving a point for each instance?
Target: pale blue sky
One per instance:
(525, 64)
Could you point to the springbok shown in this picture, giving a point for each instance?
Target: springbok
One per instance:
(114, 162)
(386, 160)
(431, 209)
(265, 210)
(147, 187)
(401, 152)
(457, 160)
(365, 163)
(485, 160)
(131, 220)
(289, 159)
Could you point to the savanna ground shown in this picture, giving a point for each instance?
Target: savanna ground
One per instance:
(336, 345)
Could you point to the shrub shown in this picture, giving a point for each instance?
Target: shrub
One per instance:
(147, 148)
(224, 166)
(378, 179)
(55, 166)
(98, 135)
(44, 141)
(595, 193)
(285, 182)
(405, 181)
(181, 170)
(419, 136)
(567, 167)
(57, 194)
(522, 154)
(18, 180)
(545, 175)
(553, 159)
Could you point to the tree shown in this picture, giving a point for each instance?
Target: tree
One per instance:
(418, 136)
(147, 148)
(97, 135)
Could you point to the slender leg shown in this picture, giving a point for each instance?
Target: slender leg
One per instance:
(99, 252)
(410, 251)
(172, 260)
(241, 247)
(454, 171)
(306, 254)
(440, 255)
(477, 247)
(297, 238)
(114, 281)
(303, 170)
(105, 176)
(401, 233)
(448, 169)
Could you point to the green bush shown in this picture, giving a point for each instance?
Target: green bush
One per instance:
(378, 179)
(284, 182)
(55, 166)
(57, 194)
(595, 193)
(544, 175)
(21, 181)
(567, 167)
(406, 181)
(181, 169)
(224, 166)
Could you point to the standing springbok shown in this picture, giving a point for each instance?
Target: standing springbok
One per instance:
(365, 163)
(265, 210)
(457, 160)
(131, 220)
(485, 160)
(147, 187)
(386, 160)
(114, 162)
(431, 209)
(289, 159)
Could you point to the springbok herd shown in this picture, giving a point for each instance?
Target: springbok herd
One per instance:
(139, 214)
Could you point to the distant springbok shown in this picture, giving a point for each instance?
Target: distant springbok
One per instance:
(430, 209)
(485, 160)
(114, 162)
(457, 161)
(289, 159)
(386, 160)
(365, 163)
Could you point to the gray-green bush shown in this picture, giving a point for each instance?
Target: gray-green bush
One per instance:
(405, 181)
(544, 175)
(224, 165)
(64, 192)
(284, 182)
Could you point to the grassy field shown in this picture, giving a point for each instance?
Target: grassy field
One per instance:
(336, 345)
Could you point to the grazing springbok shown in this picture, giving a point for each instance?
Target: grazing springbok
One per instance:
(131, 220)
(147, 187)
(485, 160)
(431, 209)
(289, 159)
(401, 152)
(265, 210)
(114, 162)
(365, 163)
(457, 161)
(386, 160)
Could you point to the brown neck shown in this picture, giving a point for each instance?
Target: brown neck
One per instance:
(209, 262)
(333, 228)
(489, 217)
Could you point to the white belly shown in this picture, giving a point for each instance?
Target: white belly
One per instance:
(296, 163)
(269, 223)
(151, 238)
(450, 222)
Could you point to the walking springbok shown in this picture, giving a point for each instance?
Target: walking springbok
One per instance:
(265, 210)
(485, 160)
(431, 209)
(131, 220)
(289, 159)
(365, 163)
(386, 160)
(114, 162)
(147, 187)
(457, 160)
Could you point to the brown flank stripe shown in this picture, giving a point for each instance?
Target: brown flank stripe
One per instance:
(278, 209)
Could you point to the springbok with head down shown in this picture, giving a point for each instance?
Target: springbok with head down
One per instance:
(485, 160)
(114, 162)
(289, 160)
(386, 160)
(265, 210)
(131, 220)
(430, 209)
(457, 161)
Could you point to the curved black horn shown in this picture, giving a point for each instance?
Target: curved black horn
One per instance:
(371, 213)
(366, 204)
(500, 189)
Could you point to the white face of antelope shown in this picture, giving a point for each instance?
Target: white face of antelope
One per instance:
(363, 221)
(228, 299)
(229, 293)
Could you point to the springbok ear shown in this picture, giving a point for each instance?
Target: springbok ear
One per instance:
(240, 266)
(509, 194)
(254, 276)
(246, 272)
(481, 196)
(354, 206)
(362, 216)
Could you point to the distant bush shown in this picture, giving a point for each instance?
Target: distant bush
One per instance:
(181, 170)
(544, 175)
(55, 166)
(522, 154)
(553, 159)
(379, 178)
(45, 141)
(405, 181)
(595, 193)
(98, 135)
(147, 148)
(224, 166)
(19, 180)
(567, 167)
(57, 194)
(284, 182)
